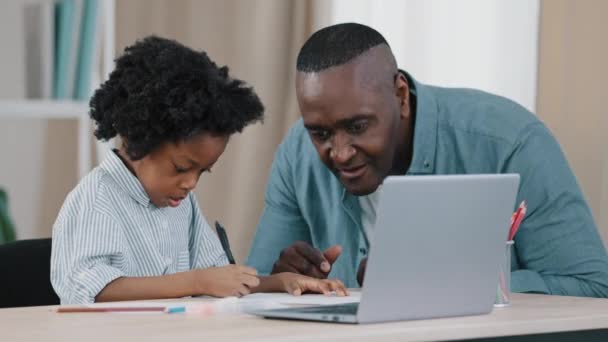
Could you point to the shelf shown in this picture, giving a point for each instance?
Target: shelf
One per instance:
(50, 109)
(43, 109)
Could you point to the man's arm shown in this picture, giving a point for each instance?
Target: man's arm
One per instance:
(558, 247)
(281, 223)
(283, 240)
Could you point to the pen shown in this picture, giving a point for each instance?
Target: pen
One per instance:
(221, 233)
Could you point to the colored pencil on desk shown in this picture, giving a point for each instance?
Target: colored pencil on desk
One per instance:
(111, 309)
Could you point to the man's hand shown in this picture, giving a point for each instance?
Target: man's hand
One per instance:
(304, 259)
(361, 271)
(297, 284)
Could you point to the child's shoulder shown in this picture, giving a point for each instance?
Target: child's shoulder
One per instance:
(95, 191)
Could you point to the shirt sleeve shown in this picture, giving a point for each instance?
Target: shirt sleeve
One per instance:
(84, 249)
(204, 245)
(558, 247)
(281, 223)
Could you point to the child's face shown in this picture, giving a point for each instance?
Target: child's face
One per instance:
(171, 171)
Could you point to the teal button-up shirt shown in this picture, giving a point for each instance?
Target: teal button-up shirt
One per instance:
(457, 131)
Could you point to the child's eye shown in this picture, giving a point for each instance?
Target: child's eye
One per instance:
(180, 169)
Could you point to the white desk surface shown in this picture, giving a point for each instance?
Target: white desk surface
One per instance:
(529, 314)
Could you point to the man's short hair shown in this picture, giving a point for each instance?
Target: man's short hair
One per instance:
(336, 45)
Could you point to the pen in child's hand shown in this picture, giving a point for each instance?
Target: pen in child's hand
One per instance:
(221, 233)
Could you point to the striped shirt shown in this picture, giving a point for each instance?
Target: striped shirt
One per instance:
(108, 228)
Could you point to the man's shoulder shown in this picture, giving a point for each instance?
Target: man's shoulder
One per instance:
(297, 149)
(475, 112)
(296, 135)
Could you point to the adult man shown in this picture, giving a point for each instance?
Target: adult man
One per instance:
(366, 119)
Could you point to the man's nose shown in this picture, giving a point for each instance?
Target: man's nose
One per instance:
(342, 149)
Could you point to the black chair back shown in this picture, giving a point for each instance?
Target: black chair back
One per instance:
(25, 274)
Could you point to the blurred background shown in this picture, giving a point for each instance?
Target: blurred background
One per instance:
(549, 55)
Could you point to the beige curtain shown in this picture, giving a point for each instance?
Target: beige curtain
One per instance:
(259, 41)
(572, 92)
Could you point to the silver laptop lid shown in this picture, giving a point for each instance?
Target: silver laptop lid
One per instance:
(437, 246)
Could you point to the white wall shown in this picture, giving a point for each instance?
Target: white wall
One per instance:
(484, 44)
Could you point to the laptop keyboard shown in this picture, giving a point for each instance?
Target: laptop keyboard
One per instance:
(340, 309)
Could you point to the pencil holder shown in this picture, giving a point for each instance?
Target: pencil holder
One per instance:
(503, 291)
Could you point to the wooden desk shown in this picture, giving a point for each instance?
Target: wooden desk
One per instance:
(529, 314)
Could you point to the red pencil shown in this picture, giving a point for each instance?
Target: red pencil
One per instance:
(111, 309)
(517, 218)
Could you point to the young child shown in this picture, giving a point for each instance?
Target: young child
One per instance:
(132, 228)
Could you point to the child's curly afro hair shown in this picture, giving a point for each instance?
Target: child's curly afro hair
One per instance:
(162, 91)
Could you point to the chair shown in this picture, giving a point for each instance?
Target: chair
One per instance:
(25, 269)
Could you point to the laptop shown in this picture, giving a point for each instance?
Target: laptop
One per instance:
(436, 249)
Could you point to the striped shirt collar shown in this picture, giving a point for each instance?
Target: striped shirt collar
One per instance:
(119, 172)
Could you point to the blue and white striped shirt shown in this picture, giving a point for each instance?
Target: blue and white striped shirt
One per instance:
(108, 228)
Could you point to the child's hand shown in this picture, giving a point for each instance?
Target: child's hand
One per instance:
(297, 284)
(226, 281)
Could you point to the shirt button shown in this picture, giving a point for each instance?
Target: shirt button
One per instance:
(363, 251)
(82, 275)
(427, 164)
(168, 261)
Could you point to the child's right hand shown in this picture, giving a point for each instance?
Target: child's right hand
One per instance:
(226, 281)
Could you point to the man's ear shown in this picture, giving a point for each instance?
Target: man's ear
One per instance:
(402, 91)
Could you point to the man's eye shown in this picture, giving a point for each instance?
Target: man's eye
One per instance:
(320, 134)
(357, 127)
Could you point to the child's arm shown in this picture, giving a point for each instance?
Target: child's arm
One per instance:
(232, 280)
(297, 284)
(135, 288)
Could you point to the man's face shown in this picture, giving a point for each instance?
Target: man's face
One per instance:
(171, 171)
(355, 121)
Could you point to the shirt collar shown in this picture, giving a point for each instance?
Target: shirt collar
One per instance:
(119, 172)
(425, 128)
